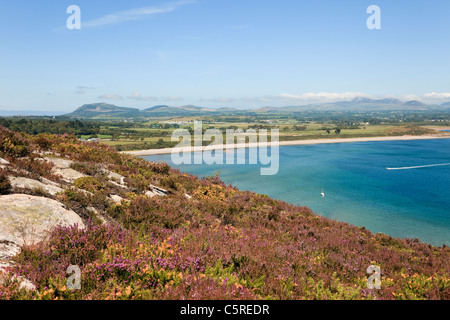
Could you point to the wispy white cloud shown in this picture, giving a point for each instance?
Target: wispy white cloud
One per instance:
(111, 97)
(219, 100)
(407, 97)
(173, 98)
(136, 95)
(438, 96)
(82, 89)
(135, 14)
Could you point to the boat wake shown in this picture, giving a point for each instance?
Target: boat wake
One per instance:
(417, 167)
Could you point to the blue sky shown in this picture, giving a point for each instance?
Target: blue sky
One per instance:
(221, 53)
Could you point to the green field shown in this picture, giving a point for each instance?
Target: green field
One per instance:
(155, 138)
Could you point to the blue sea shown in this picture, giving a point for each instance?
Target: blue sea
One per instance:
(408, 203)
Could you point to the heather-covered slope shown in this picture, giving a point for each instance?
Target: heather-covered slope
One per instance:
(155, 233)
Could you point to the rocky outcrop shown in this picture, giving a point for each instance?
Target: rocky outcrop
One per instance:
(117, 199)
(59, 163)
(116, 179)
(3, 163)
(48, 186)
(156, 191)
(23, 282)
(150, 194)
(26, 219)
(62, 167)
(49, 182)
(7, 250)
(46, 153)
(159, 191)
(69, 175)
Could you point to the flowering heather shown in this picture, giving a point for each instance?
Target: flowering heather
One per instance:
(221, 244)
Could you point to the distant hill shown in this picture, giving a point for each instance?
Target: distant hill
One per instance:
(157, 108)
(108, 111)
(357, 104)
(362, 100)
(414, 103)
(103, 110)
(164, 111)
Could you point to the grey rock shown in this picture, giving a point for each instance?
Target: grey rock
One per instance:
(116, 198)
(62, 167)
(68, 175)
(23, 282)
(7, 250)
(21, 182)
(49, 182)
(117, 177)
(150, 194)
(59, 163)
(156, 191)
(27, 219)
(3, 163)
(159, 191)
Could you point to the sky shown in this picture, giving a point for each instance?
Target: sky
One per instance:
(221, 53)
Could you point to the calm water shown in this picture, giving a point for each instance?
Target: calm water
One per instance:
(412, 203)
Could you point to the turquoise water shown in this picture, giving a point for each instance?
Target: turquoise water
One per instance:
(413, 203)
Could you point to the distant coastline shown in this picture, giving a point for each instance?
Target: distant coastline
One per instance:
(151, 152)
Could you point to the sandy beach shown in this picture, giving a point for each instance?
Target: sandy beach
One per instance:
(150, 152)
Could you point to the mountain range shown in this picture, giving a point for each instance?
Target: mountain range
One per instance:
(105, 110)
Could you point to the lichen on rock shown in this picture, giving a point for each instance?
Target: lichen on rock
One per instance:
(26, 219)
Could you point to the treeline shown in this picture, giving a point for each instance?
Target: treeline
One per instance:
(352, 118)
(160, 144)
(37, 126)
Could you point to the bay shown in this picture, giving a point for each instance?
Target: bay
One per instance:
(407, 203)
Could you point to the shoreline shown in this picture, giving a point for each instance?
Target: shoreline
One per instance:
(230, 148)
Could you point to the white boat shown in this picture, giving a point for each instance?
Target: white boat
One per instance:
(323, 194)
